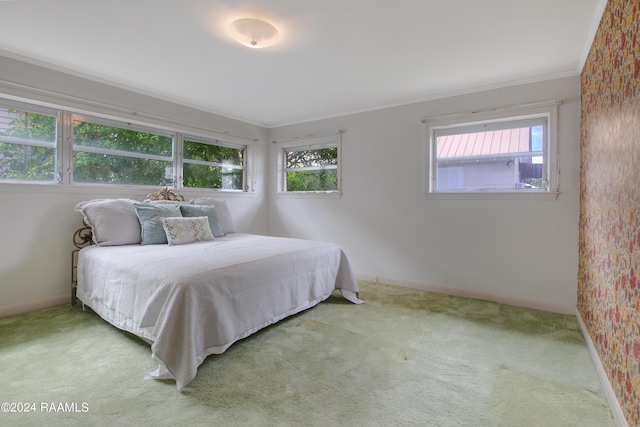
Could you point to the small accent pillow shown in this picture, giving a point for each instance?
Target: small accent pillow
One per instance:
(150, 216)
(113, 222)
(180, 231)
(209, 211)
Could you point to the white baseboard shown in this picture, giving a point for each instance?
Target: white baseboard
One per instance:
(468, 293)
(12, 310)
(614, 405)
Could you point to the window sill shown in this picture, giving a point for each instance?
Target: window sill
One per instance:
(494, 195)
(115, 190)
(309, 195)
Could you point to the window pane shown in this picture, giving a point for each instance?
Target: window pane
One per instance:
(205, 176)
(504, 159)
(213, 153)
(112, 155)
(25, 162)
(207, 165)
(87, 134)
(312, 157)
(27, 145)
(111, 169)
(312, 180)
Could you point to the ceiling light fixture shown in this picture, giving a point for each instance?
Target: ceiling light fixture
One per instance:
(253, 32)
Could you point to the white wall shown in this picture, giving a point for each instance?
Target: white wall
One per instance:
(37, 221)
(387, 227)
(465, 247)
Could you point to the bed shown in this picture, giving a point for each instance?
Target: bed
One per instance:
(194, 296)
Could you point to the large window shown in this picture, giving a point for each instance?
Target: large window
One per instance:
(312, 168)
(509, 154)
(27, 144)
(48, 145)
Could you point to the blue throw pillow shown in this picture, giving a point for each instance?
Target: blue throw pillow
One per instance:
(203, 210)
(150, 217)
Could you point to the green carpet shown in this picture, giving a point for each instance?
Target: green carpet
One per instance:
(525, 400)
(405, 357)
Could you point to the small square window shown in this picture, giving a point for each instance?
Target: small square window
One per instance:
(312, 169)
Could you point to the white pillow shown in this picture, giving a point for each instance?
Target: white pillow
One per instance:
(187, 230)
(113, 222)
(226, 222)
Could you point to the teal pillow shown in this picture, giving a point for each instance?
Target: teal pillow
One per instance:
(150, 217)
(204, 210)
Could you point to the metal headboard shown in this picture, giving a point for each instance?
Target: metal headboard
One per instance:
(83, 237)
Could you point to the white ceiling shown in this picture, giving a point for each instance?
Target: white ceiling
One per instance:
(333, 57)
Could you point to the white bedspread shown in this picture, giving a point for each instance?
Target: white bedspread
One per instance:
(197, 299)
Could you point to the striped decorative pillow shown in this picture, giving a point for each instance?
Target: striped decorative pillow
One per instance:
(181, 230)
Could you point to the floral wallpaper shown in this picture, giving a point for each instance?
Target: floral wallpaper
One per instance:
(609, 245)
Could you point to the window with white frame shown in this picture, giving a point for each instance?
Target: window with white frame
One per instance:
(507, 151)
(38, 143)
(312, 167)
(28, 139)
(108, 153)
(212, 164)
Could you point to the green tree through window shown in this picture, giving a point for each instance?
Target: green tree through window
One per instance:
(27, 145)
(207, 165)
(112, 155)
(105, 151)
(312, 169)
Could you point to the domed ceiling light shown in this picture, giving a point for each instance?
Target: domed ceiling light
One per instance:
(254, 33)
